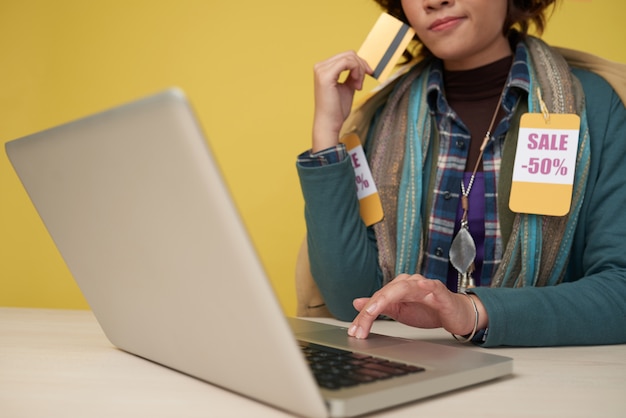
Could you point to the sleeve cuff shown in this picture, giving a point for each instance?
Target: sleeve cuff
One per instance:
(327, 156)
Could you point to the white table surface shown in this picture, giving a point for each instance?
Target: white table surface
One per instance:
(58, 363)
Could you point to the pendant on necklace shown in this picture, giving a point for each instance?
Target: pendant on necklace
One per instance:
(463, 253)
(463, 249)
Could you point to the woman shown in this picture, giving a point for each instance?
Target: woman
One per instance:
(441, 143)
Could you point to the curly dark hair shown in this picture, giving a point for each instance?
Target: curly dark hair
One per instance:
(521, 14)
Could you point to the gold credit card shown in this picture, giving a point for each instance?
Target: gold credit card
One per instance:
(385, 44)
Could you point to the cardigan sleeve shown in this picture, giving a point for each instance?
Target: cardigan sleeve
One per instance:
(589, 307)
(342, 250)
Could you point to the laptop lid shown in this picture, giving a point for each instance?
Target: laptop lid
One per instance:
(136, 205)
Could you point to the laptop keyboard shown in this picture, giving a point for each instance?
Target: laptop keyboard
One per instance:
(335, 368)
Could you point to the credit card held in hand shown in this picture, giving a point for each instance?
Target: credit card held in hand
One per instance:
(385, 44)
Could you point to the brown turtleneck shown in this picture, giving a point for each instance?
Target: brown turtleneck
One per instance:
(474, 94)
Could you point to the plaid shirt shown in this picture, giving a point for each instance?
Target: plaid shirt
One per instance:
(453, 149)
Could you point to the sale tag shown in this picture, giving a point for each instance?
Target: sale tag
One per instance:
(545, 162)
(370, 207)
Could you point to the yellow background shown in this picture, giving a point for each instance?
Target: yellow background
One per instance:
(246, 66)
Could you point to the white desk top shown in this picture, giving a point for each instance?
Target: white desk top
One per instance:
(56, 363)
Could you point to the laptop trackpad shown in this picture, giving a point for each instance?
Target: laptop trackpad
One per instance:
(338, 337)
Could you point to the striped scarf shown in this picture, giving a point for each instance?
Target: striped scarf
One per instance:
(401, 154)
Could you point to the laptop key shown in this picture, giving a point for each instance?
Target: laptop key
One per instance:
(383, 368)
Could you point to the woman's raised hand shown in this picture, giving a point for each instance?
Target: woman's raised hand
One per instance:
(333, 97)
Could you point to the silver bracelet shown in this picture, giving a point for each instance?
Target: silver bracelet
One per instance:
(469, 337)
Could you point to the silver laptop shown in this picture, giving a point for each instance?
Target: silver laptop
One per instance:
(136, 205)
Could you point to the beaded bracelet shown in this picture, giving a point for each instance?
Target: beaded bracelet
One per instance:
(467, 339)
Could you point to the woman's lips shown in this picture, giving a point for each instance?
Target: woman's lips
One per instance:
(445, 23)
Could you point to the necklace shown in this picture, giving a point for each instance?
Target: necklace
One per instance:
(463, 248)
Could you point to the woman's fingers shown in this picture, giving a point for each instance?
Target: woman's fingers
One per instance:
(416, 301)
(333, 97)
(391, 300)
